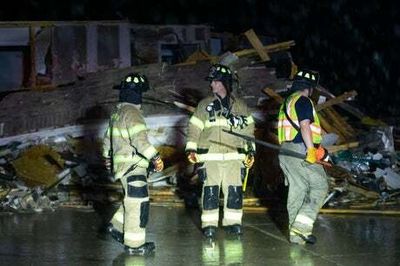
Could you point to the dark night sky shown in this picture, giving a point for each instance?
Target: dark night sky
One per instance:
(354, 44)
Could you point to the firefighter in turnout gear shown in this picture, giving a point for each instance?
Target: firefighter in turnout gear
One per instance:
(299, 130)
(221, 157)
(127, 147)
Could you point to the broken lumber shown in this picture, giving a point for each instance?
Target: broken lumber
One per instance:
(268, 48)
(360, 190)
(257, 44)
(185, 106)
(336, 100)
(271, 93)
(342, 147)
(337, 122)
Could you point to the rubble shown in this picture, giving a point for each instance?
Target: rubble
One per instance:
(53, 167)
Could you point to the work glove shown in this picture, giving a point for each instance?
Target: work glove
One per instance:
(157, 163)
(248, 161)
(192, 157)
(311, 155)
(322, 154)
(236, 121)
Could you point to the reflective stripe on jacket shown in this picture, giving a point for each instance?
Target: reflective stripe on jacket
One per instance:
(125, 140)
(205, 135)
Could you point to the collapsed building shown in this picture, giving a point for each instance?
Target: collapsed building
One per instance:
(58, 94)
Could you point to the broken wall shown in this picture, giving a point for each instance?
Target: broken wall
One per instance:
(156, 43)
(62, 51)
(93, 98)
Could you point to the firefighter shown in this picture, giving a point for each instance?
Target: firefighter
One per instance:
(299, 130)
(127, 147)
(221, 157)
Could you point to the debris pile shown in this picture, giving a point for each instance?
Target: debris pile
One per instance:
(365, 165)
(67, 170)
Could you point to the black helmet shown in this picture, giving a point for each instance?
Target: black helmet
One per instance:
(221, 73)
(135, 81)
(305, 79)
(132, 87)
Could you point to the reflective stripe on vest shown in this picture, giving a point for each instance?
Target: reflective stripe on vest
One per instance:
(286, 132)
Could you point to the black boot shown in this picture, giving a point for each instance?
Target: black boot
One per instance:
(209, 231)
(235, 229)
(144, 250)
(117, 235)
(310, 239)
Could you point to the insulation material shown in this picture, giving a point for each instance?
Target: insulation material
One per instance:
(38, 165)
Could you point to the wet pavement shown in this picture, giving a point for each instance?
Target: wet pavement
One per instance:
(72, 237)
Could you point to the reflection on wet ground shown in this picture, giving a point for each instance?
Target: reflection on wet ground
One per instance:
(72, 237)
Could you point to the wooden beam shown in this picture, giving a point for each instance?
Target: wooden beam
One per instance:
(360, 190)
(336, 100)
(339, 123)
(256, 43)
(268, 48)
(271, 93)
(186, 107)
(342, 147)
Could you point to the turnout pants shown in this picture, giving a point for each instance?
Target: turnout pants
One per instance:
(132, 216)
(228, 176)
(308, 187)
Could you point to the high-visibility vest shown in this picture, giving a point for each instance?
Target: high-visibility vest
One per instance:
(286, 131)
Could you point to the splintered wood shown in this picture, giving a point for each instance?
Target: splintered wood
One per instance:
(256, 43)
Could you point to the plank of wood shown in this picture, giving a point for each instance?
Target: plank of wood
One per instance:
(342, 147)
(360, 190)
(327, 126)
(336, 100)
(271, 93)
(334, 125)
(268, 48)
(185, 106)
(343, 121)
(345, 106)
(339, 123)
(256, 43)
(371, 205)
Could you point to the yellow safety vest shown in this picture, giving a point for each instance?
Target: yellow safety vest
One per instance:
(286, 132)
